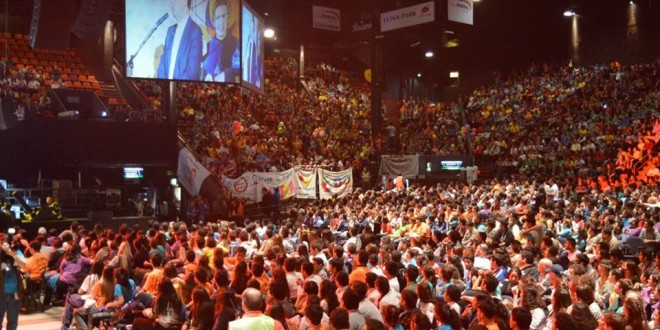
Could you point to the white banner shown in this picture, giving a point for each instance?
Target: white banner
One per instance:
(461, 11)
(299, 183)
(325, 18)
(280, 183)
(335, 184)
(395, 165)
(305, 183)
(408, 16)
(245, 186)
(190, 172)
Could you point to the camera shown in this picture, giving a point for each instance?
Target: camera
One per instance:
(9, 238)
(8, 242)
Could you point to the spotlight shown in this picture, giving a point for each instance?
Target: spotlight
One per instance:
(631, 2)
(269, 33)
(104, 114)
(569, 13)
(419, 75)
(428, 54)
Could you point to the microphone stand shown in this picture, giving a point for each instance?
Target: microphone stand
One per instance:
(129, 64)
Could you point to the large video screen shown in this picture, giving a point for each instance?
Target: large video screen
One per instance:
(193, 40)
(252, 44)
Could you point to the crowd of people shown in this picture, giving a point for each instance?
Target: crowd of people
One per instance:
(326, 123)
(500, 255)
(21, 84)
(432, 129)
(565, 121)
(552, 253)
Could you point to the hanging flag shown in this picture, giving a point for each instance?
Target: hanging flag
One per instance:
(335, 184)
(305, 183)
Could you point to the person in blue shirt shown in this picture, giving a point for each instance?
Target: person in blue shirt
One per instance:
(446, 318)
(499, 268)
(12, 287)
(391, 317)
(124, 289)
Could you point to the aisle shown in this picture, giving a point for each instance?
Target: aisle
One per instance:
(49, 320)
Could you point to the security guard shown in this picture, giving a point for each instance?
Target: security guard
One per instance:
(55, 209)
(52, 210)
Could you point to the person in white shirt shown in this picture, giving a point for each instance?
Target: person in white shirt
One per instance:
(341, 281)
(388, 296)
(293, 278)
(316, 252)
(366, 307)
(375, 266)
(308, 273)
(390, 274)
(373, 294)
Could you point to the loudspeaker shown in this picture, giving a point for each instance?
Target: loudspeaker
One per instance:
(51, 24)
(91, 19)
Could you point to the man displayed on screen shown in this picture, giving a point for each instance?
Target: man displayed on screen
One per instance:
(182, 55)
(252, 57)
(219, 63)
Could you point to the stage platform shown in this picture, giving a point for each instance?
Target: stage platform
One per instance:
(112, 223)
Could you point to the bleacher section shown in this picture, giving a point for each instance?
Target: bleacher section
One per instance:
(74, 74)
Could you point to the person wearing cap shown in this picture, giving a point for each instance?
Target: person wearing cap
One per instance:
(556, 274)
(544, 269)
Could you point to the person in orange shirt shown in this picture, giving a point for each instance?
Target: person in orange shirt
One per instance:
(259, 275)
(359, 273)
(190, 265)
(386, 228)
(151, 280)
(37, 263)
(420, 228)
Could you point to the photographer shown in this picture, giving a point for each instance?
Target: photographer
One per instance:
(11, 283)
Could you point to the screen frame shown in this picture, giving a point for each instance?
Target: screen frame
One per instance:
(141, 170)
(244, 83)
(124, 65)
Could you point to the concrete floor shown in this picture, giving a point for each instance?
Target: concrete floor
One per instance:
(48, 320)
